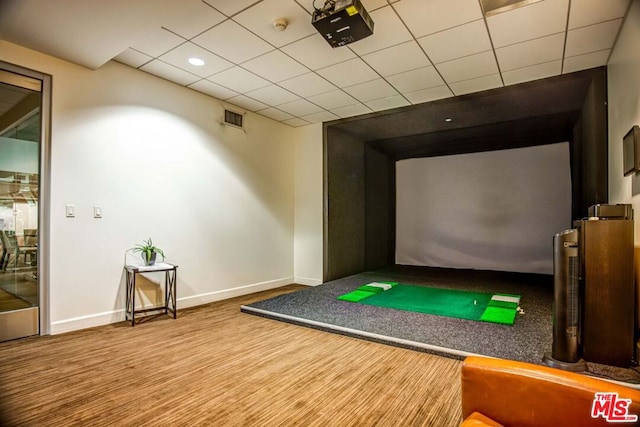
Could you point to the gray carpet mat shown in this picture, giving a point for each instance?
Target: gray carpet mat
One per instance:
(527, 340)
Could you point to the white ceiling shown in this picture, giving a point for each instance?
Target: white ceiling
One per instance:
(421, 50)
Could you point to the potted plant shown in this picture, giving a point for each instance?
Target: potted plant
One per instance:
(148, 251)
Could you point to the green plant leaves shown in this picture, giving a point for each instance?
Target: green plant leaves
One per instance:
(148, 248)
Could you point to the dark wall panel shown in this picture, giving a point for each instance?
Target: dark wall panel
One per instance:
(344, 219)
(577, 197)
(594, 158)
(379, 209)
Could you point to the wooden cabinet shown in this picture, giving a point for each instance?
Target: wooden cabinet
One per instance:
(608, 319)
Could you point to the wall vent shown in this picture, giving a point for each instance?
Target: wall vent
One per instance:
(234, 119)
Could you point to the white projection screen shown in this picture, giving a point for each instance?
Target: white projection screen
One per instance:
(495, 210)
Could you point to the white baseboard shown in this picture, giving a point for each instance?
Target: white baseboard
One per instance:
(105, 318)
(307, 281)
(232, 292)
(88, 321)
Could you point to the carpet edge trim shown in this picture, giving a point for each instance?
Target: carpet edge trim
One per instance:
(357, 332)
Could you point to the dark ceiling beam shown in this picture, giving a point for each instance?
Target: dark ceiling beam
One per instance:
(528, 132)
(558, 95)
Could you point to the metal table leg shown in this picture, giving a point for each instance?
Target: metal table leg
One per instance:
(131, 297)
(170, 292)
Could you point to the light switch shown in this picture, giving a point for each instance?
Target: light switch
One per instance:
(70, 211)
(97, 211)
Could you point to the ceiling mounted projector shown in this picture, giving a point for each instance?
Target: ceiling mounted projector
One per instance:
(341, 22)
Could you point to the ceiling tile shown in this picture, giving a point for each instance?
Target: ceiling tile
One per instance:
(469, 67)
(231, 7)
(297, 68)
(133, 58)
(169, 72)
(333, 99)
(351, 110)
(315, 52)
(232, 42)
(191, 18)
(239, 79)
(308, 6)
(534, 72)
(247, 103)
(457, 42)
(215, 90)
(428, 17)
(411, 81)
(300, 108)
(588, 12)
(397, 59)
(259, 20)
(275, 66)
(275, 114)
(179, 57)
(536, 51)
(296, 122)
(592, 38)
(272, 95)
(588, 60)
(528, 22)
(477, 85)
(388, 30)
(322, 116)
(307, 85)
(156, 42)
(374, 89)
(430, 94)
(387, 103)
(371, 5)
(348, 73)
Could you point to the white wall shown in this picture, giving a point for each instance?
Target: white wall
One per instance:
(219, 201)
(624, 110)
(309, 208)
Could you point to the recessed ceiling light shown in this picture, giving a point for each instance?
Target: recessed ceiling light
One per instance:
(196, 61)
(448, 119)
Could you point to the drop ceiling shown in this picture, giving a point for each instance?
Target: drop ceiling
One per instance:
(420, 50)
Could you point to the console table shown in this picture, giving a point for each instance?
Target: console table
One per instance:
(170, 274)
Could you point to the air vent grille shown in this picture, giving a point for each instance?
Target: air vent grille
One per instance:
(494, 7)
(234, 119)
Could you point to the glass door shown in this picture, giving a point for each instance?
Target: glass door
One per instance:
(20, 147)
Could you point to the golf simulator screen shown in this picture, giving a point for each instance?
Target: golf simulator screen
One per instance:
(495, 210)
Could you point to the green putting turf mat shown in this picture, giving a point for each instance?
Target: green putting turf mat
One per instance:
(355, 296)
(366, 291)
(482, 306)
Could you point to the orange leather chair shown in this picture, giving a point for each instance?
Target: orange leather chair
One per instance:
(498, 392)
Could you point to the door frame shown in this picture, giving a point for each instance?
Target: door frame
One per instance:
(44, 202)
